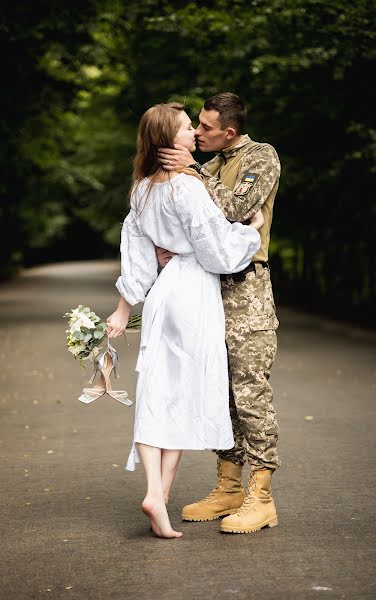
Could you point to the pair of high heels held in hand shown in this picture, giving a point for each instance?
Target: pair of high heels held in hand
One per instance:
(105, 364)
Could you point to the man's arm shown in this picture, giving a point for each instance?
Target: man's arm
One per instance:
(258, 174)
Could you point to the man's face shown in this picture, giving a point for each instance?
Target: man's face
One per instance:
(210, 137)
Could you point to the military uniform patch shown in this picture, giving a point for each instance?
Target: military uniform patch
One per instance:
(242, 189)
(250, 178)
(246, 184)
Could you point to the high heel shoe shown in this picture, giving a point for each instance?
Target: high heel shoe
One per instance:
(105, 363)
(91, 394)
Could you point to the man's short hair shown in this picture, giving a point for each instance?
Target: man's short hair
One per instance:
(232, 112)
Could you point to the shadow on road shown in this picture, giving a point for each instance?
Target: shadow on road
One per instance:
(71, 517)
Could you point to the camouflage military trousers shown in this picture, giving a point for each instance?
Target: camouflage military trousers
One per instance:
(252, 345)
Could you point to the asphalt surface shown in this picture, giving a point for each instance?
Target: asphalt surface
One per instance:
(71, 520)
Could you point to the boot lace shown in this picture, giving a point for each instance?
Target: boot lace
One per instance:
(249, 499)
(214, 492)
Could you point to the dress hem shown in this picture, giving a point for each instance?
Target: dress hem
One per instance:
(134, 459)
(164, 447)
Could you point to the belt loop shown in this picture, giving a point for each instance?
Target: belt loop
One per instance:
(259, 269)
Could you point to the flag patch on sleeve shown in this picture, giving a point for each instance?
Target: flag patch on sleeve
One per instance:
(249, 177)
(246, 184)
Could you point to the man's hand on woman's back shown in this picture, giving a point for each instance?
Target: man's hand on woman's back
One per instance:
(163, 256)
(257, 220)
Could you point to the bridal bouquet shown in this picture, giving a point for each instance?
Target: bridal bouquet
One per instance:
(86, 332)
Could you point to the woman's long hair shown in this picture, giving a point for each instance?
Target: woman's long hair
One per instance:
(157, 129)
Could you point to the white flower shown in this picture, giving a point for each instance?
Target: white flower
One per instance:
(82, 321)
(84, 345)
(75, 350)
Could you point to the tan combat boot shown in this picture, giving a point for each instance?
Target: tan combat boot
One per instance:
(258, 509)
(225, 499)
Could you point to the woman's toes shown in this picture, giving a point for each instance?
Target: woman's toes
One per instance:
(159, 520)
(177, 534)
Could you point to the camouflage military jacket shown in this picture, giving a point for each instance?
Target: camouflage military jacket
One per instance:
(258, 175)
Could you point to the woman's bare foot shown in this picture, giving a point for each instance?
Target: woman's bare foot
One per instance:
(159, 521)
(166, 503)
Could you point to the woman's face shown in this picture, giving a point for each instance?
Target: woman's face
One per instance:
(186, 133)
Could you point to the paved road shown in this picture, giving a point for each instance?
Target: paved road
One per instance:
(71, 519)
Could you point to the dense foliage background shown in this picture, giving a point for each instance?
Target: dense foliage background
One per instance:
(77, 75)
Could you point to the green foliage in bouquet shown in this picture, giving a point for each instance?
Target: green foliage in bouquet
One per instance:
(134, 322)
(85, 333)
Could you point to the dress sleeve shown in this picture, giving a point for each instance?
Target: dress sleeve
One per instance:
(139, 267)
(220, 246)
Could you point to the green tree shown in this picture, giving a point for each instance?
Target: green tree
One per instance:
(80, 74)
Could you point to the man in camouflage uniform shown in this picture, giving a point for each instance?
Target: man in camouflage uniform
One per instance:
(241, 179)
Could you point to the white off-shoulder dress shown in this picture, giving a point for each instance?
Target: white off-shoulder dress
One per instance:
(182, 399)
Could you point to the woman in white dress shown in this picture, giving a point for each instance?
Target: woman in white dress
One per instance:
(182, 388)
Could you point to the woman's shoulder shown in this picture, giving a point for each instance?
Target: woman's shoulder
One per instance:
(192, 201)
(137, 193)
(186, 184)
(190, 180)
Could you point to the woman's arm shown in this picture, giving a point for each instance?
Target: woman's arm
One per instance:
(220, 246)
(164, 256)
(138, 273)
(118, 321)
